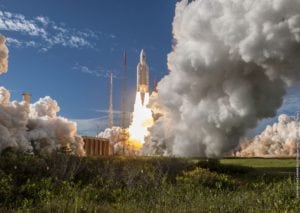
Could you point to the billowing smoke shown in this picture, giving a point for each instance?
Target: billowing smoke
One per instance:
(34, 128)
(230, 65)
(118, 138)
(114, 135)
(278, 140)
(3, 55)
(49, 132)
(14, 117)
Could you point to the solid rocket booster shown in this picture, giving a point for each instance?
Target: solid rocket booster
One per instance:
(142, 76)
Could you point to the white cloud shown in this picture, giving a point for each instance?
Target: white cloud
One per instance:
(98, 72)
(18, 43)
(13, 41)
(76, 41)
(44, 33)
(17, 22)
(43, 20)
(30, 44)
(112, 36)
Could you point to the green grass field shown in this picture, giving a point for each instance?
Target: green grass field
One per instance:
(63, 183)
(286, 163)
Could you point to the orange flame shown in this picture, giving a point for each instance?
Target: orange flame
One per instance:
(141, 120)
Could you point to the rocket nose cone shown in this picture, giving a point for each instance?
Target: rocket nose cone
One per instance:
(142, 56)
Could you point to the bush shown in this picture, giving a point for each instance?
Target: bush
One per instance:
(6, 188)
(64, 183)
(205, 178)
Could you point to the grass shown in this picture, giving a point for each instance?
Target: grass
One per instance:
(63, 183)
(286, 163)
(275, 166)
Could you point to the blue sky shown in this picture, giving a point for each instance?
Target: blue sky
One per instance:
(66, 48)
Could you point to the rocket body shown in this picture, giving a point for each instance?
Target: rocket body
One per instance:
(142, 76)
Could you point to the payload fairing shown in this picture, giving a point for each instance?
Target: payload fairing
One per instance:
(142, 76)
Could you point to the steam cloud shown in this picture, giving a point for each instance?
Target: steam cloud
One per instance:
(49, 132)
(230, 65)
(278, 140)
(34, 128)
(3, 55)
(116, 138)
(114, 135)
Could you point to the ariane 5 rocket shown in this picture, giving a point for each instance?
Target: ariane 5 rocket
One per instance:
(142, 76)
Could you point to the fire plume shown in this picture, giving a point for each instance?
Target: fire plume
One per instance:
(141, 120)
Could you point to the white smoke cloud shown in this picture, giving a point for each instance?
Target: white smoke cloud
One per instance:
(114, 135)
(44, 107)
(230, 65)
(36, 127)
(278, 140)
(3, 55)
(13, 121)
(50, 132)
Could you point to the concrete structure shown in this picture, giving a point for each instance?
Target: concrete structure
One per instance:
(124, 116)
(97, 146)
(26, 97)
(142, 76)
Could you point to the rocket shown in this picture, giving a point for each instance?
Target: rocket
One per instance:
(142, 76)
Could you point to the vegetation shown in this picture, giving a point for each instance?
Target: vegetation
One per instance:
(64, 183)
(287, 163)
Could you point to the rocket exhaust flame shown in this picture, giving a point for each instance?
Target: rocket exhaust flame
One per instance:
(142, 116)
(141, 120)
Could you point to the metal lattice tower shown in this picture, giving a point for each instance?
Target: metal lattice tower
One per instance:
(124, 108)
(110, 111)
(297, 154)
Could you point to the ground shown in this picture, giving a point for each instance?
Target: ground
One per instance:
(63, 183)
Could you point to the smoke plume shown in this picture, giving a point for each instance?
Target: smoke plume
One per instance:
(34, 128)
(13, 120)
(49, 132)
(3, 55)
(114, 135)
(278, 140)
(230, 65)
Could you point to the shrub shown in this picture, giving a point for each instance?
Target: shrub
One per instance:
(6, 188)
(203, 177)
(64, 183)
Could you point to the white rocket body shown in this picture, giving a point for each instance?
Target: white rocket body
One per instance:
(142, 76)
